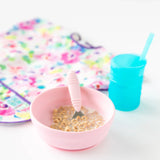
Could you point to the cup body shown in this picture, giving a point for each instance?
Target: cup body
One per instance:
(126, 78)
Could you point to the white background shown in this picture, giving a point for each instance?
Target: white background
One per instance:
(121, 26)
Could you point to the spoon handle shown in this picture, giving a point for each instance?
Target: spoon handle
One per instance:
(147, 46)
(74, 90)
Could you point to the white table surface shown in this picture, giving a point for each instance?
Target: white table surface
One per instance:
(120, 26)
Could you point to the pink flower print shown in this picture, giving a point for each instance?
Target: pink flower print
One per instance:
(60, 85)
(11, 44)
(19, 77)
(50, 57)
(33, 93)
(14, 70)
(39, 56)
(43, 70)
(5, 110)
(21, 81)
(71, 57)
(96, 84)
(60, 79)
(28, 25)
(32, 81)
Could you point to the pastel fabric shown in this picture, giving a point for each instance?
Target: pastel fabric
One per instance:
(36, 55)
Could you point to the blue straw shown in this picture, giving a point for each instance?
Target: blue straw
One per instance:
(146, 47)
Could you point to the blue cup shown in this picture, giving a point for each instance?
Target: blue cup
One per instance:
(126, 78)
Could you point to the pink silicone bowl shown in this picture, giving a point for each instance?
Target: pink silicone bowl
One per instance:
(41, 113)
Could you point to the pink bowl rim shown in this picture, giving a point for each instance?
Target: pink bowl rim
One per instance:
(60, 131)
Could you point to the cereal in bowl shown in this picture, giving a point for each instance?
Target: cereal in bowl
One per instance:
(62, 119)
